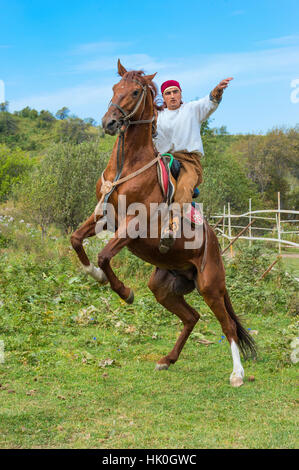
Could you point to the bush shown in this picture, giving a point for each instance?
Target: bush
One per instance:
(61, 189)
(13, 165)
(225, 181)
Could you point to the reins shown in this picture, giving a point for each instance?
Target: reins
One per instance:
(108, 186)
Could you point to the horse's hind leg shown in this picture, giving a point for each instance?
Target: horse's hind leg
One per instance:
(216, 303)
(162, 284)
(210, 281)
(87, 230)
(215, 295)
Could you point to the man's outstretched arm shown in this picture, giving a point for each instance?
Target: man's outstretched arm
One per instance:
(216, 93)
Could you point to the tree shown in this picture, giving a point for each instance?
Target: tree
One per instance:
(45, 119)
(8, 124)
(224, 178)
(62, 113)
(90, 121)
(61, 190)
(270, 161)
(4, 106)
(73, 130)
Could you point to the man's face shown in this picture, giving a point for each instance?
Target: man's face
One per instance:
(172, 97)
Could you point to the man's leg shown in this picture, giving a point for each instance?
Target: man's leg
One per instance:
(187, 180)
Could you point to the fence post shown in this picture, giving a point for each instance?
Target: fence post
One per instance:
(250, 243)
(229, 227)
(278, 223)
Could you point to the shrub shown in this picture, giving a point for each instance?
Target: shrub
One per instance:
(61, 189)
(13, 165)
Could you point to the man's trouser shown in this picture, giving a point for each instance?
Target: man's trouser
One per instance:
(190, 176)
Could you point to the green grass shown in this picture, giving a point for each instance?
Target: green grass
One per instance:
(79, 363)
(291, 265)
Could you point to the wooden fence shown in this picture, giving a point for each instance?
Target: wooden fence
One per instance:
(224, 223)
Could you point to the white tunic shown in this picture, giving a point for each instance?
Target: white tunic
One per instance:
(179, 129)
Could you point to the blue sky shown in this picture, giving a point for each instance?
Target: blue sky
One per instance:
(55, 54)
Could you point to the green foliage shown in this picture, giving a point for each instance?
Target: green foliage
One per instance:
(27, 113)
(8, 125)
(45, 119)
(14, 164)
(271, 161)
(73, 130)
(62, 113)
(224, 178)
(61, 189)
(35, 131)
(271, 295)
(4, 106)
(79, 362)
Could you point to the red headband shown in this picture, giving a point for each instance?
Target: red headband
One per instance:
(168, 84)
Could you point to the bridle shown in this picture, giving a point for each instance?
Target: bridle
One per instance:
(127, 116)
(108, 186)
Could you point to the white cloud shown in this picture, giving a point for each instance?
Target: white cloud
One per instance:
(82, 95)
(102, 47)
(130, 61)
(258, 66)
(197, 75)
(281, 41)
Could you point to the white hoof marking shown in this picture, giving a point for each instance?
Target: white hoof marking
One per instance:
(236, 382)
(97, 273)
(237, 375)
(162, 366)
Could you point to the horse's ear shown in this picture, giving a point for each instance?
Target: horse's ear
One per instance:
(121, 69)
(149, 78)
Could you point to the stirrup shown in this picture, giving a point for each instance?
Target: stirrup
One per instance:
(168, 236)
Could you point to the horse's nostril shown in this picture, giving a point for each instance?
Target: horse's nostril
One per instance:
(111, 124)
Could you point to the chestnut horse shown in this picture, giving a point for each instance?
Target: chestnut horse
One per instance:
(132, 112)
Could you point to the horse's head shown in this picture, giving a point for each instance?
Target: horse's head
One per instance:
(129, 99)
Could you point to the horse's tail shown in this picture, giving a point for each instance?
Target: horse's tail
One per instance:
(246, 342)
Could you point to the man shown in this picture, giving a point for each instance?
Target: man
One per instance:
(178, 132)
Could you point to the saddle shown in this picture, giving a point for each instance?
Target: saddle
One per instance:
(168, 169)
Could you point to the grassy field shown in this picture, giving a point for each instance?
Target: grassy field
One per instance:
(79, 363)
(291, 265)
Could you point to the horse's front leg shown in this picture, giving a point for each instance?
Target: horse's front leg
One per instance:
(119, 241)
(87, 229)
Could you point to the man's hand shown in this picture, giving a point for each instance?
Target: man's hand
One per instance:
(224, 83)
(216, 94)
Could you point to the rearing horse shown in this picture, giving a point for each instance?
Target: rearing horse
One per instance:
(132, 112)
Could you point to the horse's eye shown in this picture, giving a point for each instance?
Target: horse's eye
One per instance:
(135, 93)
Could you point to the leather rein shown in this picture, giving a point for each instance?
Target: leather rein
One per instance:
(108, 186)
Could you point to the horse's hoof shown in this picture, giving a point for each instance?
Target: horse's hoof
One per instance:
(236, 382)
(130, 299)
(161, 366)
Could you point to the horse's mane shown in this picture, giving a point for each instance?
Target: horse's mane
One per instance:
(138, 75)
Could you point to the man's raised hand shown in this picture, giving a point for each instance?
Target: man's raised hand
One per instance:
(224, 83)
